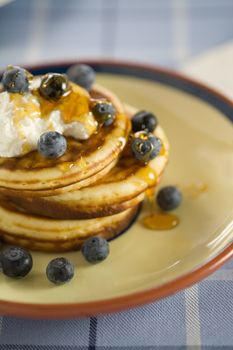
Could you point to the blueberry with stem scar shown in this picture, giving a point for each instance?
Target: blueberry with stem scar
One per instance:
(60, 271)
(144, 120)
(16, 262)
(15, 80)
(95, 249)
(82, 75)
(54, 86)
(52, 145)
(145, 146)
(104, 112)
(169, 198)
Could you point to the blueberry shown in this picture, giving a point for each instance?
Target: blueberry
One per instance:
(145, 146)
(95, 249)
(15, 262)
(60, 270)
(15, 79)
(144, 121)
(54, 86)
(169, 198)
(82, 75)
(104, 112)
(51, 145)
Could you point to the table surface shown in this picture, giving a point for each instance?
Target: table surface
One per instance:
(170, 33)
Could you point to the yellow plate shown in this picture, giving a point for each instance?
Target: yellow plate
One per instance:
(145, 265)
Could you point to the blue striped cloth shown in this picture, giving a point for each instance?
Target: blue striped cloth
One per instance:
(200, 317)
(166, 32)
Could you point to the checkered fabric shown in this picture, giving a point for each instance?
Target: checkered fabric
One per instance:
(201, 317)
(166, 32)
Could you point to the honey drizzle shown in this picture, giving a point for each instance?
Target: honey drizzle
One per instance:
(64, 167)
(194, 190)
(163, 151)
(148, 175)
(74, 106)
(155, 221)
(161, 221)
(150, 193)
(24, 105)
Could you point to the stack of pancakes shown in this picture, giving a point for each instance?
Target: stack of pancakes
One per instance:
(95, 188)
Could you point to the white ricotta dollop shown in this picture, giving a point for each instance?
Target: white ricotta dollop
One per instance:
(21, 126)
(10, 142)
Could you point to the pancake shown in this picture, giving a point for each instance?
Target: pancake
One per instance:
(94, 189)
(81, 161)
(116, 191)
(40, 233)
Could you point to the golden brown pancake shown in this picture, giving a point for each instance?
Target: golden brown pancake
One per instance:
(110, 194)
(94, 189)
(40, 233)
(81, 161)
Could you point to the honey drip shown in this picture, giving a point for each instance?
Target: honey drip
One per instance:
(150, 193)
(163, 151)
(24, 106)
(65, 166)
(194, 190)
(74, 106)
(161, 221)
(148, 175)
(155, 221)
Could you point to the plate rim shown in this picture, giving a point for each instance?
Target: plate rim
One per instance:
(116, 304)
